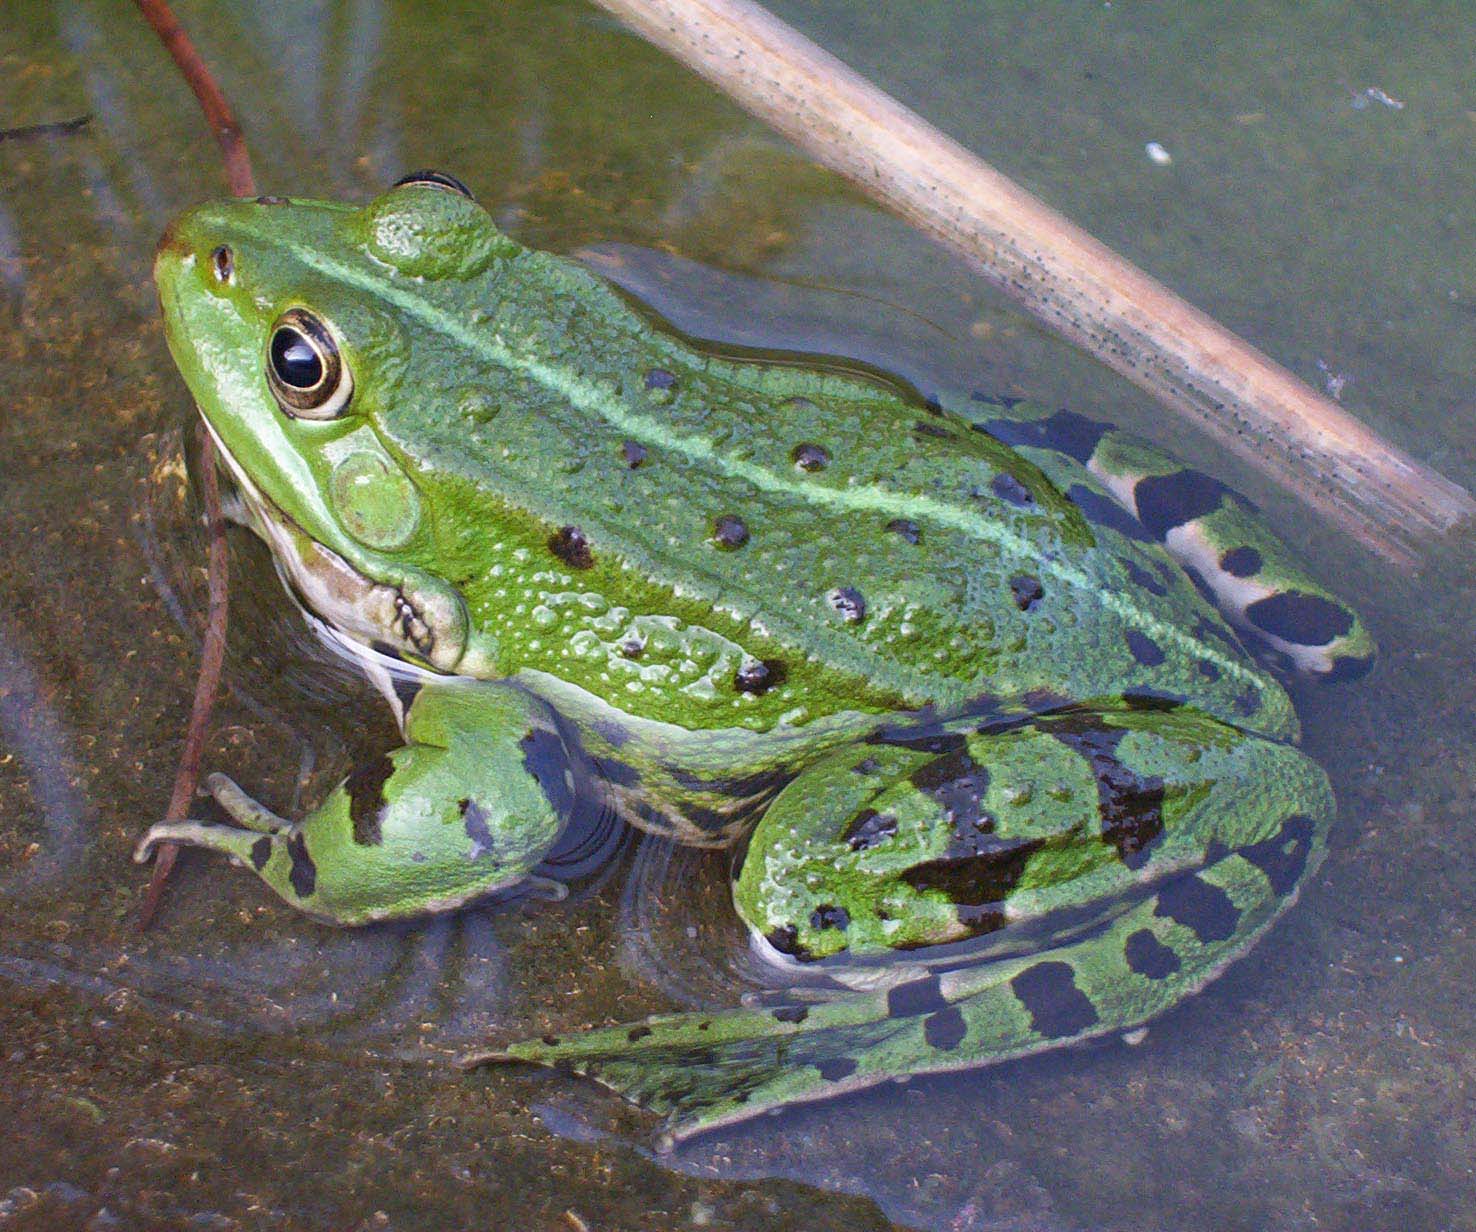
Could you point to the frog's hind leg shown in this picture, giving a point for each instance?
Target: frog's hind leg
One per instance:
(1206, 527)
(1136, 892)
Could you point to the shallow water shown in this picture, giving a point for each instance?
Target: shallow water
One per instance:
(240, 1063)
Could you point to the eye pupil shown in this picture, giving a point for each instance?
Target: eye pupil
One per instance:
(295, 359)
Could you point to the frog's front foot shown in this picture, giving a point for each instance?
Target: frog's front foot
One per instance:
(468, 807)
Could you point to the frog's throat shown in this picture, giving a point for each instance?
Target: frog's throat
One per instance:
(403, 613)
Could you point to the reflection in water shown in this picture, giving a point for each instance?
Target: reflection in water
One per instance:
(106, 99)
(29, 728)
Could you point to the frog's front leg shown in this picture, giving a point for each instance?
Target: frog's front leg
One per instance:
(982, 895)
(469, 805)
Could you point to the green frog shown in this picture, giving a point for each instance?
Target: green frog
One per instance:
(963, 681)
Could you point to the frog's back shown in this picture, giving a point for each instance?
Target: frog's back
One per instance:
(718, 542)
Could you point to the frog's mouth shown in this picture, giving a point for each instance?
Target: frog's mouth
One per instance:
(422, 624)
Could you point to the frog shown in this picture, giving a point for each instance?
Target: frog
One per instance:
(984, 697)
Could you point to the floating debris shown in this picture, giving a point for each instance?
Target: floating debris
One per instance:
(1157, 154)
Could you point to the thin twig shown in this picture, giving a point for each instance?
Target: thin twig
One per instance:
(242, 183)
(38, 132)
(218, 113)
(207, 683)
(1072, 282)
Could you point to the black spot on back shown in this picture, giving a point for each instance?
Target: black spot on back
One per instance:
(304, 873)
(261, 852)
(1008, 488)
(571, 546)
(1027, 590)
(1307, 620)
(1148, 956)
(1204, 909)
(945, 1029)
(905, 528)
(637, 1033)
(1283, 856)
(1142, 577)
(1065, 431)
(1241, 562)
(365, 788)
(791, 1013)
(1057, 1007)
(1167, 501)
(759, 676)
(1144, 649)
(1102, 510)
(921, 996)
(849, 602)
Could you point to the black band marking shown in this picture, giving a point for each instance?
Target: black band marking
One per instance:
(1057, 1007)
(924, 996)
(1242, 562)
(945, 1029)
(1306, 620)
(365, 788)
(1204, 909)
(1167, 501)
(304, 874)
(1148, 956)
(1283, 856)
(833, 1069)
(261, 852)
(1066, 432)
(1102, 510)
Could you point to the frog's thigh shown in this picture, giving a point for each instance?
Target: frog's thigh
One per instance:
(1045, 828)
(470, 804)
(1207, 527)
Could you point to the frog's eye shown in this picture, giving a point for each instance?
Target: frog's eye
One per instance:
(436, 179)
(304, 369)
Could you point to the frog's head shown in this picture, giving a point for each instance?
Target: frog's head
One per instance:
(285, 318)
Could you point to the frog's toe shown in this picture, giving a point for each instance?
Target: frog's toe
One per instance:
(232, 841)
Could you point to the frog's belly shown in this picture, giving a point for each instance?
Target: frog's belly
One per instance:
(699, 787)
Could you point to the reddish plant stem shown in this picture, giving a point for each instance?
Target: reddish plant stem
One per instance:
(218, 113)
(242, 183)
(207, 684)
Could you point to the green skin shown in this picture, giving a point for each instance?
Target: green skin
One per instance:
(1007, 778)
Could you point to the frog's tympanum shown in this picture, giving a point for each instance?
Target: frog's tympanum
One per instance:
(965, 681)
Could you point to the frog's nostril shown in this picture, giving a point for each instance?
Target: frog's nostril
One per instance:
(169, 242)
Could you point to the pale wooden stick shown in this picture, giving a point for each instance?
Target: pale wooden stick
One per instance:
(1073, 283)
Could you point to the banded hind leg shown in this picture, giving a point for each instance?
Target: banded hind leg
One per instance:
(981, 895)
(1209, 529)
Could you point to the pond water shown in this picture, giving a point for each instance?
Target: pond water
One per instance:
(239, 1065)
